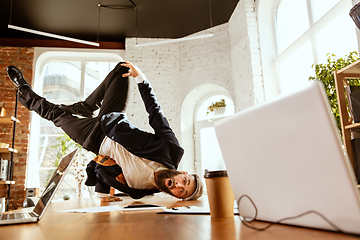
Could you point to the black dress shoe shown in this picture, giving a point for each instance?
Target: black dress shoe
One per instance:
(16, 76)
(79, 108)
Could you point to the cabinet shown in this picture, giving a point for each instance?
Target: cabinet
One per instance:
(347, 123)
(9, 181)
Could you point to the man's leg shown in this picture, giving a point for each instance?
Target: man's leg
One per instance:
(78, 129)
(110, 95)
(116, 92)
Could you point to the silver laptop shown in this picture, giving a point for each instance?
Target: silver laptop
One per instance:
(36, 213)
(286, 155)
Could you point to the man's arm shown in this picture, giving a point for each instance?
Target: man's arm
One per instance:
(156, 118)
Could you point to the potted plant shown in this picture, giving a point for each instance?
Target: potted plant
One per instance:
(325, 74)
(64, 146)
(215, 107)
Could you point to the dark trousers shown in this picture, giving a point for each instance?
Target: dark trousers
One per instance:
(109, 96)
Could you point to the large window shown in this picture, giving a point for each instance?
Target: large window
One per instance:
(208, 153)
(63, 81)
(302, 32)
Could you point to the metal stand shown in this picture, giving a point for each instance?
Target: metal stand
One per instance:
(11, 163)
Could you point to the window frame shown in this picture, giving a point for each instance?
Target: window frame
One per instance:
(206, 123)
(42, 57)
(266, 12)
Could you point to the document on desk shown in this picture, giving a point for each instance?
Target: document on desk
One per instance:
(94, 209)
(143, 207)
(191, 210)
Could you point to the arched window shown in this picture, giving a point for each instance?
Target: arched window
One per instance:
(208, 153)
(296, 34)
(63, 78)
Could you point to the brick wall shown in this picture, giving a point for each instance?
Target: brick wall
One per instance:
(245, 55)
(23, 58)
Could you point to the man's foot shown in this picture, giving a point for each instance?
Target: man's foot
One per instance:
(79, 108)
(16, 76)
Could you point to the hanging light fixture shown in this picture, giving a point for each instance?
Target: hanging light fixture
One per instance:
(115, 7)
(175, 40)
(48, 34)
(52, 35)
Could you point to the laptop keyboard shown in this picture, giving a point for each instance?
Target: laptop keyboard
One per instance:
(11, 216)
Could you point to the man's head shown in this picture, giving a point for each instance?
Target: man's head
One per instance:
(179, 184)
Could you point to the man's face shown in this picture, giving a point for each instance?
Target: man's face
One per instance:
(179, 184)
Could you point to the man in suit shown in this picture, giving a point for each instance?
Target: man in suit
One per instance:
(134, 161)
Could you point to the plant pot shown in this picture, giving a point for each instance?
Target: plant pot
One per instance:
(219, 111)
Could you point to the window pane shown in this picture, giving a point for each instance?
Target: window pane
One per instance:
(95, 73)
(291, 22)
(47, 127)
(62, 80)
(211, 157)
(338, 37)
(295, 70)
(202, 111)
(321, 7)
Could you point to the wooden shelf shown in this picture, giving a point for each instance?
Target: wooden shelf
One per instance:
(4, 150)
(7, 182)
(4, 120)
(353, 68)
(353, 126)
(341, 81)
(7, 150)
(341, 76)
(7, 120)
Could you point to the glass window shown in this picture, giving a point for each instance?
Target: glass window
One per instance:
(321, 7)
(291, 22)
(304, 40)
(208, 153)
(95, 72)
(211, 157)
(340, 43)
(295, 70)
(63, 82)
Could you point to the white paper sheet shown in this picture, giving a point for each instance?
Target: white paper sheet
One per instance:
(94, 209)
(110, 209)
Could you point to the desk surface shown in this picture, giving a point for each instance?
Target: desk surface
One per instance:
(148, 224)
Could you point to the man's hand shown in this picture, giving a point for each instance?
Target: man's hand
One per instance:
(110, 199)
(134, 71)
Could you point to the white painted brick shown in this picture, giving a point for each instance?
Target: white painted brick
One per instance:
(231, 59)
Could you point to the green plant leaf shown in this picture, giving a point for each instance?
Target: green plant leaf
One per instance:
(325, 74)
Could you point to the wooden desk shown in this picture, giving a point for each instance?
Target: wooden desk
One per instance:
(148, 225)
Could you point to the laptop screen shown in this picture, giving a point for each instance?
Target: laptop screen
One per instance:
(286, 155)
(54, 183)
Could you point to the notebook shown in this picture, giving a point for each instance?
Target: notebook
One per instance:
(36, 213)
(286, 155)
